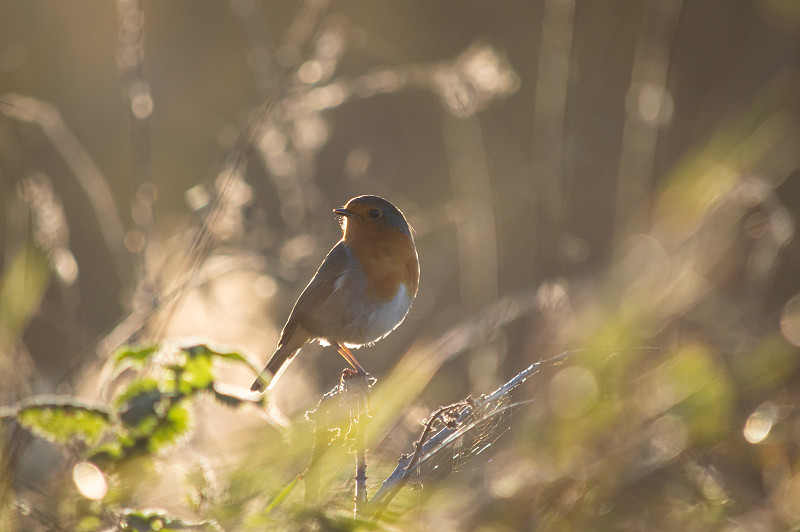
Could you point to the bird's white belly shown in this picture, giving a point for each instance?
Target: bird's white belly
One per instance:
(385, 318)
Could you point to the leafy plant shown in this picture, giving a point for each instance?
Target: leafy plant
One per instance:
(149, 413)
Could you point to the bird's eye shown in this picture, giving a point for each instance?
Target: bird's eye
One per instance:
(374, 214)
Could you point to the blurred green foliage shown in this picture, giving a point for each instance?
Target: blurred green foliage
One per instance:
(588, 176)
(148, 414)
(24, 281)
(63, 421)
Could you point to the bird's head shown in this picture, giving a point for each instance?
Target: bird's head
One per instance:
(371, 215)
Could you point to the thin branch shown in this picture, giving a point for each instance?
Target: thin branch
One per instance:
(361, 470)
(91, 180)
(420, 444)
(355, 394)
(473, 413)
(360, 426)
(346, 403)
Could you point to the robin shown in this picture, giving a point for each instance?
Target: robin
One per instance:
(361, 292)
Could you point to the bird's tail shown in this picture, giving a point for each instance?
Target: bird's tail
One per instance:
(275, 367)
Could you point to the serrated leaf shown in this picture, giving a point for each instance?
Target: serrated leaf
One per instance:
(172, 427)
(63, 420)
(198, 350)
(232, 356)
(134, 355)
(155, 418)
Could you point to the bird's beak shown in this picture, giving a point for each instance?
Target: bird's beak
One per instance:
(343, 212)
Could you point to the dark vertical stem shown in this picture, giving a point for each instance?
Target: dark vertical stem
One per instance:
(361, 465)
(355, 391)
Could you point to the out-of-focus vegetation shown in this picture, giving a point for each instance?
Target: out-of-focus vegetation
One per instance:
(592, 177)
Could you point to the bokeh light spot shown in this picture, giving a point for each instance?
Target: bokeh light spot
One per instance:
(759, 424)
(142, 105)
(511, 479)
(197, 197)
(790, 320)
(265, 287)
(272, 141)
(89, 480)
(357, 163)
(65, 265)
(147, 193)
(327, 96)
(573, 248)
(650, 103)
(134, 241)
(297, 248)
(310, 72)
(310, 132)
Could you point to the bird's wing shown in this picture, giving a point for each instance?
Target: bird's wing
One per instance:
(321, 286)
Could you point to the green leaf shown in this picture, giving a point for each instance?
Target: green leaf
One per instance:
(199, 350)
(175, 424)
(142, 399)
(64, 419)
(231, 356)
(134, 355)
(196, 375)
(155, 418)
(110, 452)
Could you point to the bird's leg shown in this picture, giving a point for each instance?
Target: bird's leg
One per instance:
(350, 358)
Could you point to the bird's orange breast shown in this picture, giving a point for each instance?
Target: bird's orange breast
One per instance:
(388, 259)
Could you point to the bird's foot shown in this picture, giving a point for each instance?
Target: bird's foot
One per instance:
(355, 378)
(348, 374)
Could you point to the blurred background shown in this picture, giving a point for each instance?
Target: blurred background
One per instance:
(597, 176)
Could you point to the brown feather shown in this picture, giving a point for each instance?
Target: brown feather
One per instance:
(320, 287)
